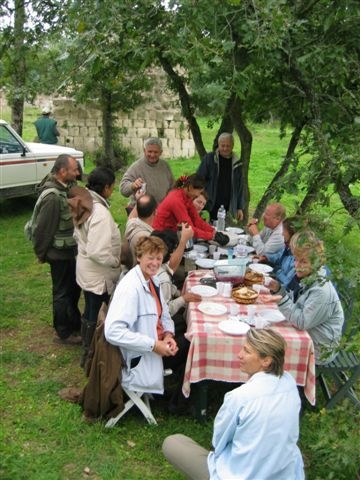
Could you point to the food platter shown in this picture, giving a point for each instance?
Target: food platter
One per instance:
(212, 308)
(234, 327)
(204, 290)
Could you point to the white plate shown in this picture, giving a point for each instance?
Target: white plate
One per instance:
(260, 268)
(205, 262)
(272, 316)
(234, 327)
(235, 230)
(212, 308)
(246, 248)
(204, 290)
(200, 248)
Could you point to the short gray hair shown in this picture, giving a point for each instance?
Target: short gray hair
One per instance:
(225, 136)
(153, 141)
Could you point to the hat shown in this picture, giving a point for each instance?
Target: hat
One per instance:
(46, 110)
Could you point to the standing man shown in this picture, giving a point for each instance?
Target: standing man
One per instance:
(54, 244)
(149, 170)
(224, 181)
(270, 240)
(46, 128)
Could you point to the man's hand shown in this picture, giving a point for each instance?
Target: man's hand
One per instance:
(186, 232)
(137, 184)
(240, 215)
(253, 228)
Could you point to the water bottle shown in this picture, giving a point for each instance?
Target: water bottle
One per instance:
(221, 214)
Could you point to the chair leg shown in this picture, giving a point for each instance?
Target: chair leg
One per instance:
(346, 390)
(141, 400)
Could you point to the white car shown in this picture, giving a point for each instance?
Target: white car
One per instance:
(24, 164)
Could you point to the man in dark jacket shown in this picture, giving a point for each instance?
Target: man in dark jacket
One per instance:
(46, 127)
(54, 244)
(224, 181)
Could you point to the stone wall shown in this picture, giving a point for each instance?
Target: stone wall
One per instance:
(81, 126)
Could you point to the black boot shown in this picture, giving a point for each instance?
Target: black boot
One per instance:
(87, 333)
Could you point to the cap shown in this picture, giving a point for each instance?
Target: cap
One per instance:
(46, 110)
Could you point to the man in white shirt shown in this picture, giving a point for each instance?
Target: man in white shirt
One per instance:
(256, 429)
(270, 239)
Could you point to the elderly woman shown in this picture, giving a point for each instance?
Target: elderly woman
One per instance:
(138, 321)
(316, 307)
(257, 426)
(177, 207)
(99, 248)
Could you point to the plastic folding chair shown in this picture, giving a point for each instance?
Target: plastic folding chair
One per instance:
(337, 379)
(139, 399)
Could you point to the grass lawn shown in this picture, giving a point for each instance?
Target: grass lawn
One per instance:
(44, 438)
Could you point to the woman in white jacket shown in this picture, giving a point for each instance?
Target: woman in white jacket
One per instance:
(99, 248)
(138, 321)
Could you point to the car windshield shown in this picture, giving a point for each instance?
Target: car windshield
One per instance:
(8, 143)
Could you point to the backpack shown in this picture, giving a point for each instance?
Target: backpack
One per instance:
(31, 224)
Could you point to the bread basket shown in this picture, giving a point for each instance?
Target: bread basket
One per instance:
(244, 295)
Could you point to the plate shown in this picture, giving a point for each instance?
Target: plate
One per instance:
(234, 327)
(245, 248)
(260, 268)
(235, 230)
(200, 248)
(272, 316)
(204, 290)
(205, 262)
(212, 308)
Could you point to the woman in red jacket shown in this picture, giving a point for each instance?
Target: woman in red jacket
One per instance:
(177, 208)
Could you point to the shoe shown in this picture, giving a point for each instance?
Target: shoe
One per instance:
(70, 340)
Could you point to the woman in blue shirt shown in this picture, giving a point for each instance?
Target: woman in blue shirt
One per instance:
(257, 427)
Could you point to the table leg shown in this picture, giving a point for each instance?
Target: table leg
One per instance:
(200, 390)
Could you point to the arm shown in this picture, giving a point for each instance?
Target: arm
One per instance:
(225, 423)
(130, 181)
(47, 222)
(186, 233)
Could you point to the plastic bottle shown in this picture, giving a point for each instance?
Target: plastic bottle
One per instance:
(221, 214)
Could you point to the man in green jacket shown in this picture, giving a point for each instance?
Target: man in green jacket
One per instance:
(54, 244)
(46, 128)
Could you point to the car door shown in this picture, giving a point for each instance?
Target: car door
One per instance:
(17, 163)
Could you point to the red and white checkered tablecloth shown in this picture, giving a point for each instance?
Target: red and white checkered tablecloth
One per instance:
(213, 354)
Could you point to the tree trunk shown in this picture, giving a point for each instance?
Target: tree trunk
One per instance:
(227, 124)
(273, 191)
(107, 123)
(19, 68)
(178, 85)
(245, 137)
(351, 202)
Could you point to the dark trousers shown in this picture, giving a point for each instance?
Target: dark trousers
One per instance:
(66, 294)
(93, 304)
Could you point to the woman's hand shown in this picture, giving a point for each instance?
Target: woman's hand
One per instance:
(167, 347)
(191, 297)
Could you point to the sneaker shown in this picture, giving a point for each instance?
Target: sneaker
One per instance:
(70, 340)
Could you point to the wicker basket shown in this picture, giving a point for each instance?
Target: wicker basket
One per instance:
(244, 300)
(251, 278)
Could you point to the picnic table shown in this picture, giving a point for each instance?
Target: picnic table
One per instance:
(213, 354)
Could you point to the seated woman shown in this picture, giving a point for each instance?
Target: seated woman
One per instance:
(284, 261)
(257, 427)
(317, 307)
(99, 249)
(177, 207)
(138, 322)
